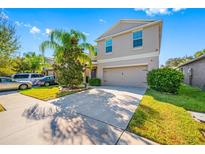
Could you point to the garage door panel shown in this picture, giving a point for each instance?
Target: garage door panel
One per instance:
(127, 76)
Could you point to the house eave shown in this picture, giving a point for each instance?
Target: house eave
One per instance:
(132, 29)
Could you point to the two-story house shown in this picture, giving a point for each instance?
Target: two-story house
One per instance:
(127, 51)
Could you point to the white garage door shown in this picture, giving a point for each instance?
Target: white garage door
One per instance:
(125, 76)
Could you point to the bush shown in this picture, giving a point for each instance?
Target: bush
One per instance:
(165, 80)
(95, 82)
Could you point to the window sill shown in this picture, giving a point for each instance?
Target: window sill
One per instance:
(108, 53)
(137, 48)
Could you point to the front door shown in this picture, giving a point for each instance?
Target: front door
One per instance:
(94, 73)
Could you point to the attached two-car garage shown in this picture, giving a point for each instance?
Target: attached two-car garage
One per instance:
(125, 76)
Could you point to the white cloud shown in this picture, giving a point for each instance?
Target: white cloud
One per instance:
(18, 23)
(34, 30)
(177, 9)
(27, 25)
(87, 34)
(154, 11)
(48, 31)
(102, 21)
(158, 11)
(3, 15)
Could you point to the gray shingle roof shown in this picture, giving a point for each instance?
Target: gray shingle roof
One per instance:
(194, 60)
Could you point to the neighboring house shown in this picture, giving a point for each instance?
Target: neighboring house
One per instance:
(127, 51)
(194, 72)
(49, 60)
(49, 71)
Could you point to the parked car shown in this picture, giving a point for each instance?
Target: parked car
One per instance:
(32, 77)
(9, 84)
(46, 81)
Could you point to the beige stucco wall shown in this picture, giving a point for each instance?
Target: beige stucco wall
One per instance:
(122, 44)
(198, 78)
(152, 62)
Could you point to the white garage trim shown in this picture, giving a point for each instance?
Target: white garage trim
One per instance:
(144, 55)
(116, 66)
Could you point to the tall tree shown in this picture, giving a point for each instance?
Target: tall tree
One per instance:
(30, 62)
(8, 45)
(21, 65)
(199, 53)
(8, 39)
(35, 62)
(70, 59)
(175, 62)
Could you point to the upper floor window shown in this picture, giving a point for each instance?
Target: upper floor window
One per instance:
(137, 39)
(108, 46)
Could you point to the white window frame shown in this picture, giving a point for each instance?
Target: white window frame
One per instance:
(140, 47)
(106, 46)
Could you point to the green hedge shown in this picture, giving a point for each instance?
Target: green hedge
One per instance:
(95, 82)
(165, 80)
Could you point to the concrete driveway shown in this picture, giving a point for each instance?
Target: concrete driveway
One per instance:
(96, 116)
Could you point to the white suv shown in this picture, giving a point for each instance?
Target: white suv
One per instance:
(32, 77)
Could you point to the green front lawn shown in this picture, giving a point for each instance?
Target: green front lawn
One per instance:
(48, 93)
(1, 108)
(162, 117)
(189, 98)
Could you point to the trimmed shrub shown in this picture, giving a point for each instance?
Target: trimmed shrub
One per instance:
(95, 82)
(165, 80)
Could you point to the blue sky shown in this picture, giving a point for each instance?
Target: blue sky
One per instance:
(183, 29)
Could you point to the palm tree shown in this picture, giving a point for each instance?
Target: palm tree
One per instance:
(34, 61)
(61, 42)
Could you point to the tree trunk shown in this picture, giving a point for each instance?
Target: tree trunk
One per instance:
(84, 78)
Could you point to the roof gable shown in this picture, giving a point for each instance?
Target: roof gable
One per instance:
(124, 25)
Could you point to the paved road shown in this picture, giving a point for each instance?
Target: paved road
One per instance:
(96, 116)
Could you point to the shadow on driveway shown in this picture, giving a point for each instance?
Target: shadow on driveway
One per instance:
(96, 116)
